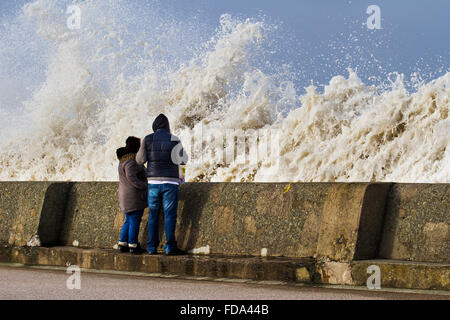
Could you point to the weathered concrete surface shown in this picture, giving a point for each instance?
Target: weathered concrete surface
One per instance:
(92, 216)
(394, 274)
(242, 218)
(404, 274)
(19, 283)
(351, 223)
(230, 218)
(324, 228)
(331, 222)
(253, 268)
(417, 223)
(29, 208)
(334, 273)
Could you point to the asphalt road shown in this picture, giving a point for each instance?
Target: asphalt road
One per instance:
(25, 283)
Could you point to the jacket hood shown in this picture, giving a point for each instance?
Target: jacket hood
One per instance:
(161, 122)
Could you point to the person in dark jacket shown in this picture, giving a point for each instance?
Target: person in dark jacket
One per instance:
(163, 153)
(132, 194)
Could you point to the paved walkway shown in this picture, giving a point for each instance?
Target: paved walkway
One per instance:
(25, 283)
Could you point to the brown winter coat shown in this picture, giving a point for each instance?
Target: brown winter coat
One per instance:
(133, 185)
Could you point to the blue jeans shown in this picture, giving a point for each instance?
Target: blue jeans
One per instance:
(165, 195)
(130, 228)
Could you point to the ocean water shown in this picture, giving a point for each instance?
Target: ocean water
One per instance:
(69, 98)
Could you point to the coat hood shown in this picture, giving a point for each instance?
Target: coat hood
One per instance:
(161, 122)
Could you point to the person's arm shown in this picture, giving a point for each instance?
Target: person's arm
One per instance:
(131, 171)
(141, 156)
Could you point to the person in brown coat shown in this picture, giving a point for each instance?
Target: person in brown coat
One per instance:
(133, 188)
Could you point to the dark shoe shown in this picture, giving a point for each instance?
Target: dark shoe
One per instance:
(123, 249)
(152, 252)
(136, 250)
(175, 252)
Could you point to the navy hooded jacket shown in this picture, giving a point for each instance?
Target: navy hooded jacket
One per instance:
(156, 149)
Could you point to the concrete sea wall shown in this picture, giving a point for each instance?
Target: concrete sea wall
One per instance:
(337, 222)
(417, 220)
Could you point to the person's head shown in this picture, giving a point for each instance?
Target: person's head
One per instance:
(121, 152)
(161, 122)
(133, 144)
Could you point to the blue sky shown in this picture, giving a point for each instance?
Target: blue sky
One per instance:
(321, 38)
(415, 35)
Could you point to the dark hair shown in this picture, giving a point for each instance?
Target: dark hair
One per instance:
(133, 144)
(121, 152)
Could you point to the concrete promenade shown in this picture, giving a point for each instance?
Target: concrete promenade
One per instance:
(26, 283)
(298, 233)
